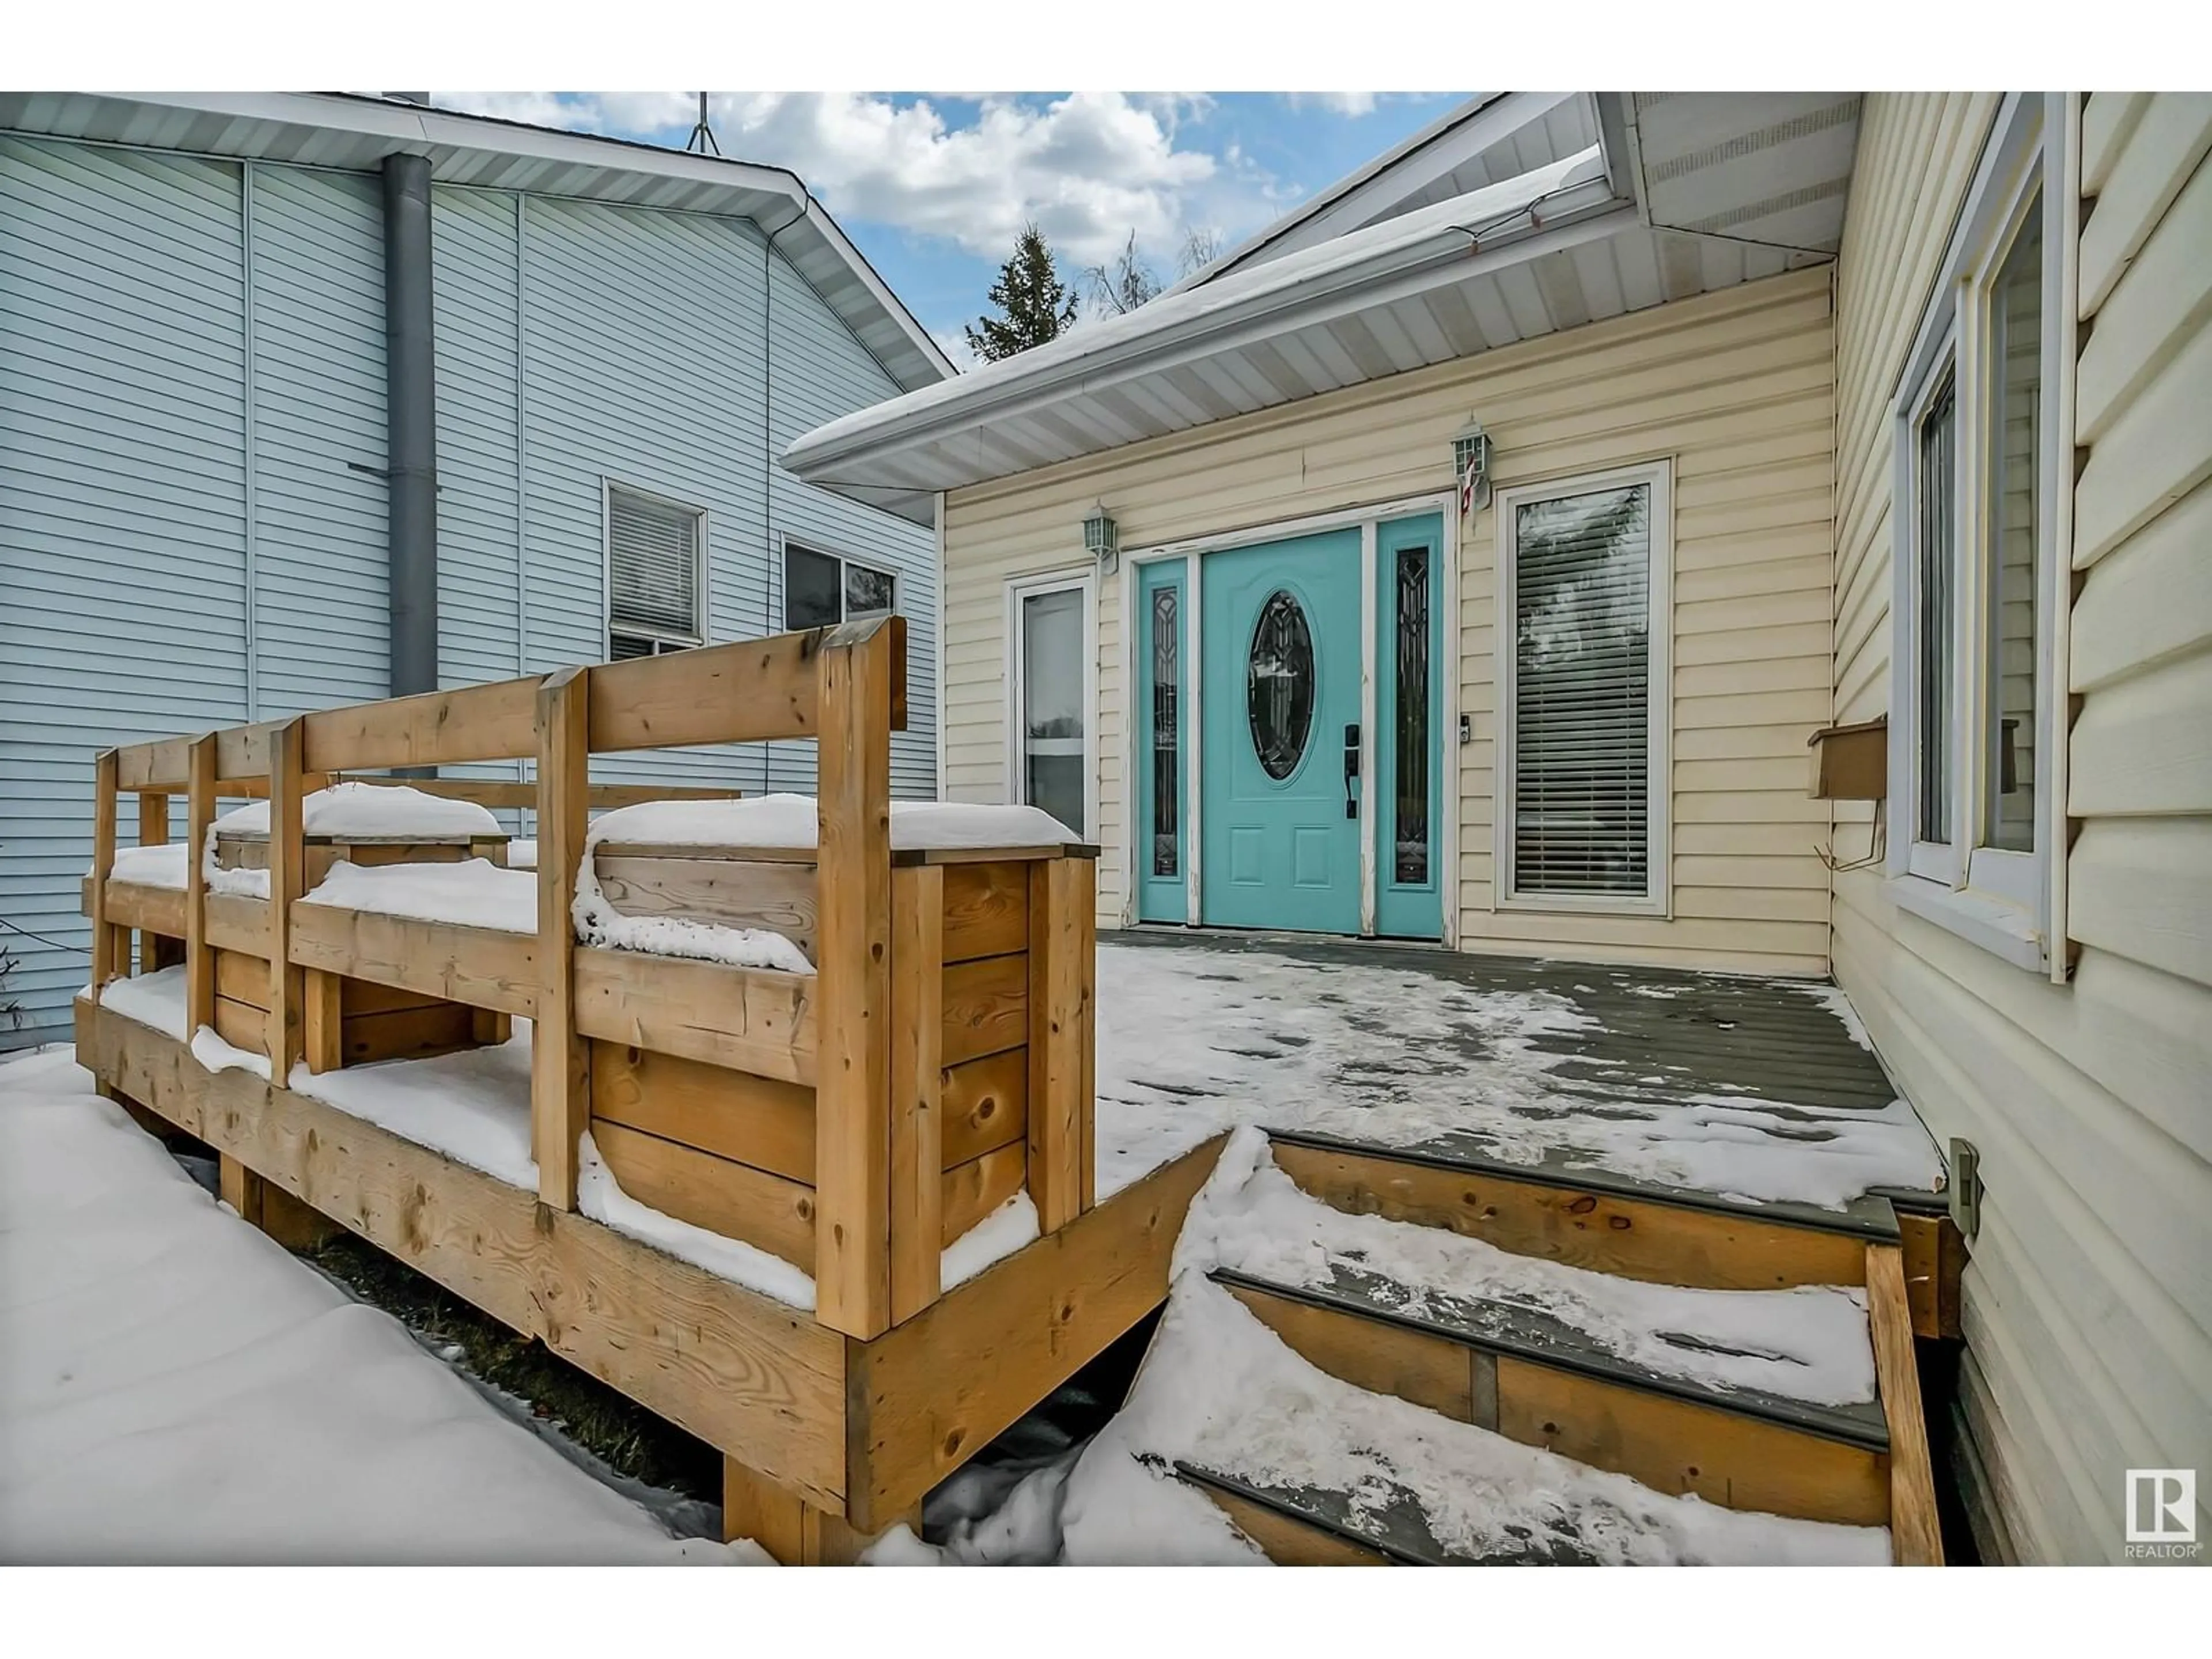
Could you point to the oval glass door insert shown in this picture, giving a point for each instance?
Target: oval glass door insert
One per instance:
(1279, 685)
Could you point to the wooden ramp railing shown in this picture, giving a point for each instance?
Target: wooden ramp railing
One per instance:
(867, 1037)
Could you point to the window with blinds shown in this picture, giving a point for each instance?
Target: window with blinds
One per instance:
(1582, 696)
(653, 575)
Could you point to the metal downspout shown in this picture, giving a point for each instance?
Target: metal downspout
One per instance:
(411, 425)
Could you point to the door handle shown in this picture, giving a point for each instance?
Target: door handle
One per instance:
(1351, 771)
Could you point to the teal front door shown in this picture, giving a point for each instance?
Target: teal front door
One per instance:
(1281, 665)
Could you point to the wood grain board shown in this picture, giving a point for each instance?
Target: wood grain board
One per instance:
(1633, 1238)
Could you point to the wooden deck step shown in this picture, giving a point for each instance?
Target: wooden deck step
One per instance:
(1306, 1526)
(1534, 1379)
(1567, 1212)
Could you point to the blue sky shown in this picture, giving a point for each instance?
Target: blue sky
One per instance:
(933, 186)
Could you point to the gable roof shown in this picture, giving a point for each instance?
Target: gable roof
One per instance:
(354, 131)
(1682, 194)
(1490, 137)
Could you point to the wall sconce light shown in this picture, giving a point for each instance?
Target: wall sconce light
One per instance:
(1471, 466)
(1102, 540)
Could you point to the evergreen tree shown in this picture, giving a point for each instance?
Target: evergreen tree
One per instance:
(1036, 303)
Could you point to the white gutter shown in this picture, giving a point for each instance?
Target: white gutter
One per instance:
(1487, 120)
(1500, 224)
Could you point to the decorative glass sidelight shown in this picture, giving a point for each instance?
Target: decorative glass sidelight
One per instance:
(1279, 685)
(1166, 658)
(1410, 809)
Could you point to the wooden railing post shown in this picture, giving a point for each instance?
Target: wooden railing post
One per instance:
(560, 1060)
(858, 666)
(104, 966)
(917, 1084)
(155, 950)
(199, 824)
(288, 882)
(1060, 1084)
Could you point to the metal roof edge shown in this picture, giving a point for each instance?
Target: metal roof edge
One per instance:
(1268, 296)
(416, 126)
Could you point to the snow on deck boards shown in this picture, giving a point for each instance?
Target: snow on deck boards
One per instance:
(176, 1388)
(1743, 1088)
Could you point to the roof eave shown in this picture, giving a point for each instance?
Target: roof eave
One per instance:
(1274, 307)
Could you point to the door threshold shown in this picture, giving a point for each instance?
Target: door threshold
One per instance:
(1172, 930)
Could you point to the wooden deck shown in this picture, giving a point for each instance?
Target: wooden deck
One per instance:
(853, 1120)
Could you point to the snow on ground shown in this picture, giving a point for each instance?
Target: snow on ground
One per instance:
(1192, 1041)
(789, 820)
(470, 893)
(1807, 1344)
(176, 1388)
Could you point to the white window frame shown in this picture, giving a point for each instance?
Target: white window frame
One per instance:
(1658, 898)
(784, 548)
(1997, 898)
(1019, 589)
(700, 565)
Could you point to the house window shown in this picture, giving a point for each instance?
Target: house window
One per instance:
(656, 574)
(1167, 657)
(1051, 694)
(821, 591)
(1583, 585)
(1976, 477)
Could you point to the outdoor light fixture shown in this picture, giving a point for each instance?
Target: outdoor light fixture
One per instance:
(1101, 539)
(1471, 466)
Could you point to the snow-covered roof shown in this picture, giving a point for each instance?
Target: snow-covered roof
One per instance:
(351, 130)
(1681, 194)
(1490, 137)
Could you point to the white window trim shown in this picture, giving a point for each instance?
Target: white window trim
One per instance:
(700, 562)
(1659, 899)
(1017, 775)
(786, 543)
(1997, 899)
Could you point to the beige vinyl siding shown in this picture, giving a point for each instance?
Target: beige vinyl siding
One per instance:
(1735, 388)
(2088, 1299)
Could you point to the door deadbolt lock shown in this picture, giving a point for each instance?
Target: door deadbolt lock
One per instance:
(1351, 771)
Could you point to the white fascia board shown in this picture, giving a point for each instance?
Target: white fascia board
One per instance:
(424, 128)
(1402, 254)
(421, 129)
(1496, 122)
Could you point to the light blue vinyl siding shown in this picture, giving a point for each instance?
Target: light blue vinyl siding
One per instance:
(472, 249)
(122, 502)
(321, 614)
(821, 372)
(192, 535)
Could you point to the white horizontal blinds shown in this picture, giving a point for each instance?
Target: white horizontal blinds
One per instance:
(1054, 749)
(653, 567)
(1582, 694)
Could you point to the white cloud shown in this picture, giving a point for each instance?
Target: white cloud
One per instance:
(1087, 168)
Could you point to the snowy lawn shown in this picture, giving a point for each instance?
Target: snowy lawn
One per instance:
(174, 1387)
